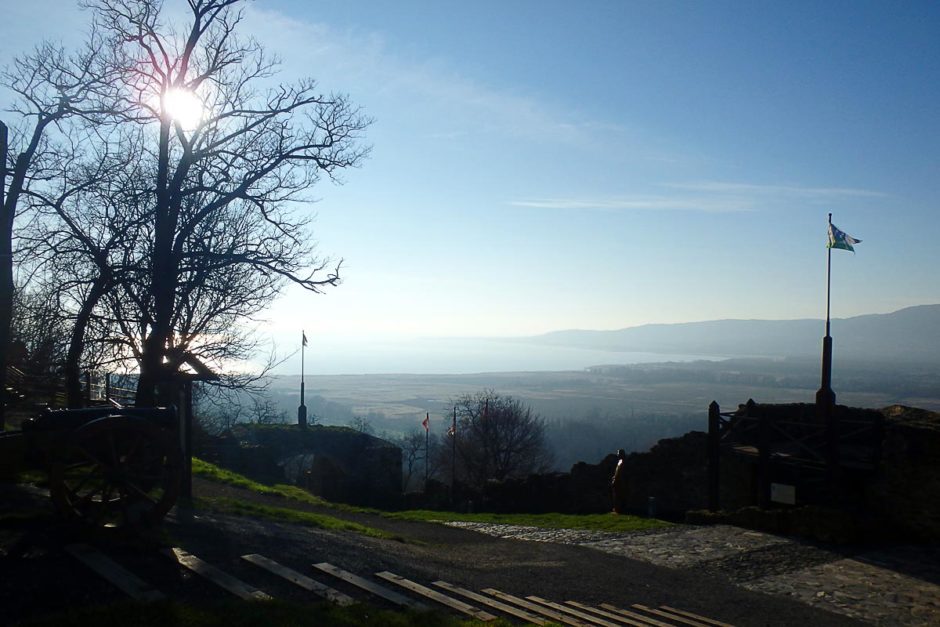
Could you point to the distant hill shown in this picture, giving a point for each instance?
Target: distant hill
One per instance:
(910, 335)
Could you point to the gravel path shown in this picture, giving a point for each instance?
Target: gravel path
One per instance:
(897, 585)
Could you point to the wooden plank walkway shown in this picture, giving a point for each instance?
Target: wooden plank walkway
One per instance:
(707, 621)
(220, 578)
(629, 618)
(303, 581)
(493, 603)
(674, 617)
(121, 578)
(434, 595)
(588, 618)
(559, 617)
(371, 587)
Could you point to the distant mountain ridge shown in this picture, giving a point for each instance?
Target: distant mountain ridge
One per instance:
(908, 335)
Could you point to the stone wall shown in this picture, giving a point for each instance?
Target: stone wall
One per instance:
(672, 472)
(337, 463)
(907, 490)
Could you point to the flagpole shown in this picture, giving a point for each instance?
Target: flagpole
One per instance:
(825, 397)
(453, 456)
(302, 410)
(427, 444)
(828, 280)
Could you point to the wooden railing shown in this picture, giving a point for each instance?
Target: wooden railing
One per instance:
(811, 438)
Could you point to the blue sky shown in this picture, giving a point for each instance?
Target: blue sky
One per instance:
(603, 164)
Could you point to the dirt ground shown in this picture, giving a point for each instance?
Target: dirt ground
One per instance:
(37, 577)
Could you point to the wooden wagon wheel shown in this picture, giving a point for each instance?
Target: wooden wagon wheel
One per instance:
(117, 471)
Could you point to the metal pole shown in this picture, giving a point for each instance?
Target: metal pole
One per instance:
(453, 456)
(302, 410)
(825, 397)
(427, 445)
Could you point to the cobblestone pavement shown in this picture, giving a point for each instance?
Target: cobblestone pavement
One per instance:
(888, 586)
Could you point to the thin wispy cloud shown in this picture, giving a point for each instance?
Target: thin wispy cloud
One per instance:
(724, 187)
(472, 106)
(709, 197)
(638, 203)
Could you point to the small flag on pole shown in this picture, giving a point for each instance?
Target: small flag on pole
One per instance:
(426, 423)
(305, 337)
(840, 239)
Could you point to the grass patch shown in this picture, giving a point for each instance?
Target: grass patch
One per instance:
(212, 472)
(286, 514)
(591, 522)
(221, 475)
(245, 614)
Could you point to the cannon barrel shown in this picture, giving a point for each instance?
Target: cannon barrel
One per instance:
(70, 419)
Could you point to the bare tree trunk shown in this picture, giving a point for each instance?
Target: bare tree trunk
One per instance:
(6, 275)
(161, 282)
(73, 383)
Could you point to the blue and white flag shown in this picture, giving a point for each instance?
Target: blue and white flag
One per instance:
(840, 239)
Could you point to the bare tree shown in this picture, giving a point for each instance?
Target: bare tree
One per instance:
(50, 88)
(498, 438)
(413, 455)
(252, 153)
(165, 239)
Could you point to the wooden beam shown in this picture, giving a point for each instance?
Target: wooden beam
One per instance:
(649, 620)
(220, 578)
(370, 587)
(559, 617)
(434, 595)
(590, 619)
(493, 603)
(709, 621)
(676, 617)
(303, 581)
(121, 578)
(635, 620)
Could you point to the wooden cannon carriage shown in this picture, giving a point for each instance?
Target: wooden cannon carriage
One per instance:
(107, 467)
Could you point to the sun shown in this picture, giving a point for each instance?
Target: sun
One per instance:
(183, 107)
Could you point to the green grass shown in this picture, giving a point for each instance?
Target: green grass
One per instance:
(286, 514)
(215, 473)
(592, 522)
(245, 614)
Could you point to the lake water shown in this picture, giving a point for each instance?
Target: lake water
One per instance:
(458, 356)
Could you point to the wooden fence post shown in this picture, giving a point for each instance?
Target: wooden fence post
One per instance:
(763, 457)
(714, 455)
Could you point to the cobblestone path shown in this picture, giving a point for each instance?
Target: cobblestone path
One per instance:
(888, 586)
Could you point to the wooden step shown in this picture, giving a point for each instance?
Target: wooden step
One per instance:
(684, 620)
(648, 620)
(303, 581)
(121, 578)
(584, 616)
(493, 603)
(559, 617)
(434, 595)
(708, 621)
(220, 578)
(636, 620)
(370, 587)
